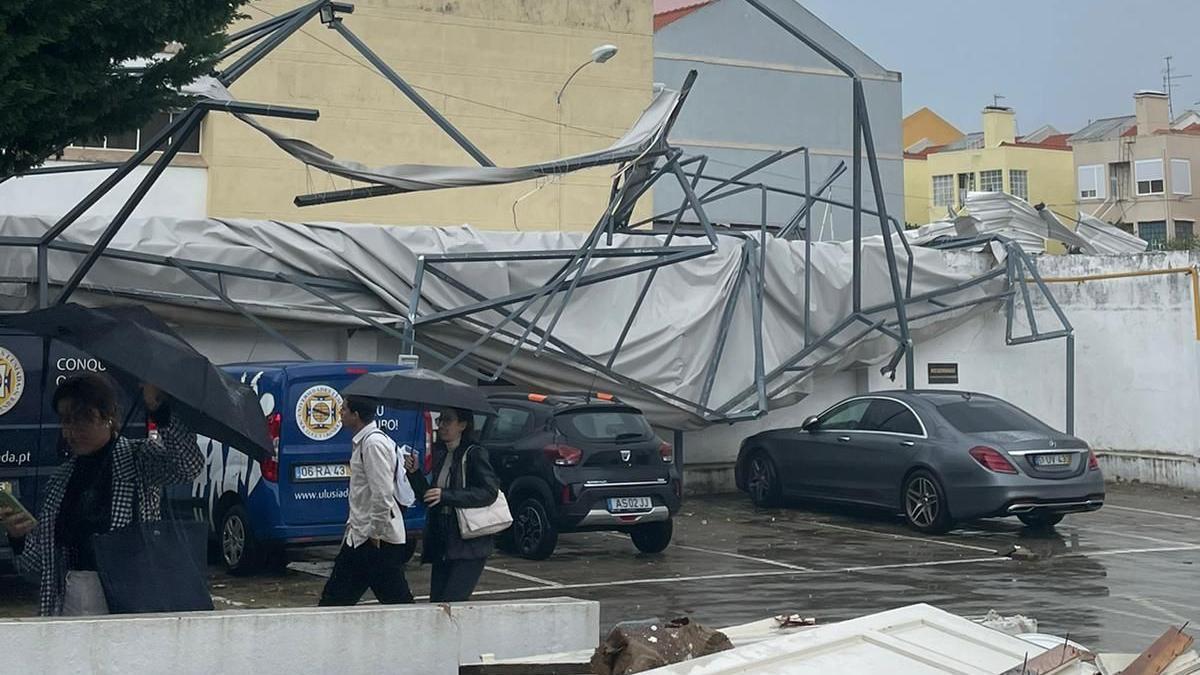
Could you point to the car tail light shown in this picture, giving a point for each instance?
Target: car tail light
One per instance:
(992, 460)
(563, 455)
(666, 452)
(566, 495)
(270, 465)
(428, 463)
(356, 371)
(1093, 463)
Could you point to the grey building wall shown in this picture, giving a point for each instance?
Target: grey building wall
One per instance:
(760, 90)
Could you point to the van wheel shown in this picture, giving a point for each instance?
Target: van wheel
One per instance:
(534, 536)
(240, 551)
(653, 537)
(925, 506)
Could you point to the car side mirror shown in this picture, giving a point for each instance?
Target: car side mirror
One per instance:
(810, 423)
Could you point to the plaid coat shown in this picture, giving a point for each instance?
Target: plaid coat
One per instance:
(141, 468)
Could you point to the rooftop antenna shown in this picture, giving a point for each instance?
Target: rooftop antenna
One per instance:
(1169, 85)
(996, 98)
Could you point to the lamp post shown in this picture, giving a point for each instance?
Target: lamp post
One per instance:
(600, 54)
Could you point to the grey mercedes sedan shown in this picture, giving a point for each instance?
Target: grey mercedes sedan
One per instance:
(939, 457)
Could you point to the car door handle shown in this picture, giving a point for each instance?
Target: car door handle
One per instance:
(908, 444)
(844, 439)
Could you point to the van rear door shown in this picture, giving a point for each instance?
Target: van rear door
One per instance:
(22, 460)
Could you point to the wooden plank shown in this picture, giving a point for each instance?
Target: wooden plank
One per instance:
(1159, 655)
(1047, 662)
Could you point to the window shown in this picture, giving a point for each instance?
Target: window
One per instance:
(1125, 227)
(1154, 232)
(1018, 183)
(845, 417)
(966, 183)
(892, 417)
(604, 425)
(943, 190)
(133, 140)
(1149, 176)
(1091, 182)
(991, 181)
(1184, 230)
(985, 415)
(1181, 177)
(508, 425)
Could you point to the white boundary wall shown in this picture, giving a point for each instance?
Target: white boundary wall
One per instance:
(416, 639)
(1137, 395)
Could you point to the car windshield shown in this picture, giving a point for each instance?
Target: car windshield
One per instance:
(982, 415)
(602, 425)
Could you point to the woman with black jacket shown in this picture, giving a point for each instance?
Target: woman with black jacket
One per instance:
(462, 478)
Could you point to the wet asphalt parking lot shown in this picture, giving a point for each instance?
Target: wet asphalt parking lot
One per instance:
(1113, 579)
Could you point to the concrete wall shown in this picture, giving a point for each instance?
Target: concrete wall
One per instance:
(416, 639)
(181, 192)
(463, 56)
(1137, 372)
(1127, 206)
(760, 90)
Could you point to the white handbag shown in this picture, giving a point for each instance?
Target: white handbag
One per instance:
(480, 521)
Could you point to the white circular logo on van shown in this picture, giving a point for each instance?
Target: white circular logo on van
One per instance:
(319, 412)
(12, 380)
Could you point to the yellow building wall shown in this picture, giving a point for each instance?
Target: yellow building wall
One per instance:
(917, 191)
(1051, 174)
(925, 123)
(476, 61)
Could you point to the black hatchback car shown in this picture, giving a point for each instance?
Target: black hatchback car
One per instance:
(578, 463)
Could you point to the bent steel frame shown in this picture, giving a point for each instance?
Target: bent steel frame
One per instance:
(518, 318)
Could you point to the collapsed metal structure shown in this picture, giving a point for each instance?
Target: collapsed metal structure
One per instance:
(528, 318)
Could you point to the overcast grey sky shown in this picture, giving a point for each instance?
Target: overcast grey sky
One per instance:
(1060, 62)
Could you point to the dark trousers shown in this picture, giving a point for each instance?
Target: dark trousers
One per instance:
(357, 569)
(454, 580)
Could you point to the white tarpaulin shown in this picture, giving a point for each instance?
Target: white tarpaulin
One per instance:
(670, 344)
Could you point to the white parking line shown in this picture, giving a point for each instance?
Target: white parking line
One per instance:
(1132, 615)
(526, 577)
(842, 570)
(1126, 535)
(1155, 513)
(730, 554)
(878, 533)
(1149, 603)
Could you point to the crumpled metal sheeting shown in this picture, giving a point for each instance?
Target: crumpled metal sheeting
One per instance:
(1108, 239)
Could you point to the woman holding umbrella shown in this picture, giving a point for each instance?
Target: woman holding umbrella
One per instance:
(462, 478)
(108, 482)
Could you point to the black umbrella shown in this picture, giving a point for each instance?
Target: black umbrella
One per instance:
(419, 388)
(136, 345)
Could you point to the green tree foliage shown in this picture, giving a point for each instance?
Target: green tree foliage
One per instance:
(61, 72)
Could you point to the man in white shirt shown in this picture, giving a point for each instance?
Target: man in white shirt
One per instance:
(372, 551)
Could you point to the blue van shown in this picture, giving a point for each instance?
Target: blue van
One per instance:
(30, 435)
(300, 497)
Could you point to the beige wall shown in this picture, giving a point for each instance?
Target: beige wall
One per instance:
(1127, 206)
(1051, 174)
(511, 54)
(917, 191)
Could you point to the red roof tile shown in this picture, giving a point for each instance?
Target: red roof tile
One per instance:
(669, 11)
(1045, 145)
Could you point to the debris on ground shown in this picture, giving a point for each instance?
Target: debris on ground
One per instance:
(1018, 552)
(1054, 661)
(637, 646)
(793, 620)
(1009, 625)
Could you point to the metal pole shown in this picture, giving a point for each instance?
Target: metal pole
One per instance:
(1071, 382)
(807, 250)
(191, 120)
(43, 267)
(856, 213)
(411, 93)
(277, 36)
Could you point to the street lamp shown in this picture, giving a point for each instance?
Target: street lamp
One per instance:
(599, 55)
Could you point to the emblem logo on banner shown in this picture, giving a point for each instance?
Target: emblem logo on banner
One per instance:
(319, 412)
(12, 380)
